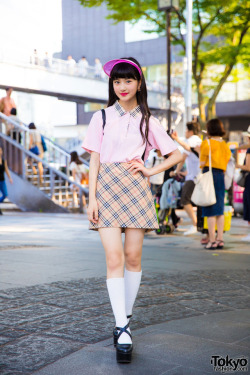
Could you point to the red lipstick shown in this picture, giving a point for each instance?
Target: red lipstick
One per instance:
(124, 94)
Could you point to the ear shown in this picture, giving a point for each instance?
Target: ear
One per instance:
(139, 86)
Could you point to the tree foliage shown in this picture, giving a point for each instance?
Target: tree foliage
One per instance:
(220, 37)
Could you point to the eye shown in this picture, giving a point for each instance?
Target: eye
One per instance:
(128, 81)
(116, 82)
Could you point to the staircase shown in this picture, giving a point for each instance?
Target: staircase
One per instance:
(55, 191)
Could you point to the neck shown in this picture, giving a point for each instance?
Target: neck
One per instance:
(128, 105)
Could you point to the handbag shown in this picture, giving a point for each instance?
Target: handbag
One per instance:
(204, 192)
(35, 150)
(242, 179)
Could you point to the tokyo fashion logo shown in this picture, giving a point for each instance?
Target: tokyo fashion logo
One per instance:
(227, 364)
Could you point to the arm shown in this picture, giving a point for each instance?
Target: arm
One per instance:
(8, 172)
(173, 159)
(182, 143)
(31, 141)
(245, 167)
(94, 166)
(180, 165)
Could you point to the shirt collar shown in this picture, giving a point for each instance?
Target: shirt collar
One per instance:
(121, 111)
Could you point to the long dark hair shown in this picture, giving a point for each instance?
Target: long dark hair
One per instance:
(126, 70)
(75, 158)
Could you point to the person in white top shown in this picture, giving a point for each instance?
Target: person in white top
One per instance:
(83, 66)
(80, 176)
(156, 180)
(191, 158)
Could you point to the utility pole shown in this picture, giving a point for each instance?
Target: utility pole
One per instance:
(188, 91)
(168, 25)
(168, 6)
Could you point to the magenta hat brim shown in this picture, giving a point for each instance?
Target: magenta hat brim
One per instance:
(110, 64)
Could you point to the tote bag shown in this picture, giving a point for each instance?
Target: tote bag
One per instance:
(204, 193)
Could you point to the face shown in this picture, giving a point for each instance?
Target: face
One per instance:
(126, 88)
(188, 133)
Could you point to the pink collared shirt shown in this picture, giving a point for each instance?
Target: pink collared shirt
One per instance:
(122, 140)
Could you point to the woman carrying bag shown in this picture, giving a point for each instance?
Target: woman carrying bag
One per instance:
(220, 155)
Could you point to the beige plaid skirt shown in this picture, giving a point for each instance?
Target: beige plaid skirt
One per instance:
(124, 199)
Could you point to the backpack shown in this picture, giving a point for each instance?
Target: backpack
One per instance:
(43, 144)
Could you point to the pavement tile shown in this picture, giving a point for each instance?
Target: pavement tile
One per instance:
(29, 314)
(30, 353)
(102, 361)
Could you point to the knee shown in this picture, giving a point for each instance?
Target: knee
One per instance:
(133, 259)
(114, 261)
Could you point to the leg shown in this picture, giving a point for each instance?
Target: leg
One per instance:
(189, 210)
(211, 230)
(220, 227)
(112, 242)
(3, 190)
(40, 169)
(132, 276)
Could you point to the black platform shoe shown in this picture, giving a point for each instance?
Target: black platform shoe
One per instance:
(123, 351)
(116, 332)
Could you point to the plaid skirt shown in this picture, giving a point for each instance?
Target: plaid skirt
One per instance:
(124, 199)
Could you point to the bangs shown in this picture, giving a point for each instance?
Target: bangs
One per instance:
(124, 70)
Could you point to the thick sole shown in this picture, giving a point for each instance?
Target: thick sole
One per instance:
(115, 341)
(123, 357)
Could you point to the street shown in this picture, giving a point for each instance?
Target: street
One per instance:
(56, 316)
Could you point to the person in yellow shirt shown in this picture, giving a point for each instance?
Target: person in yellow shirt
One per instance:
(220, 155)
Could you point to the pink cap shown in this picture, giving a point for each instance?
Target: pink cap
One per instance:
(110, 64)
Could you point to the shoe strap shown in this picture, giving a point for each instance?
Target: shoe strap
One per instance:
(123, 329)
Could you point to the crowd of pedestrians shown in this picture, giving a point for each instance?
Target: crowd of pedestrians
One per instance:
(195, 160)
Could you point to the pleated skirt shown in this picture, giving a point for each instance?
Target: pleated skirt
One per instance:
(124, 199)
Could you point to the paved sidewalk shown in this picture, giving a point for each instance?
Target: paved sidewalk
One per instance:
(56, 317)
(180, 347)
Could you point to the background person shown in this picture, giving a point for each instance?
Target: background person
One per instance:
(3, 168)
(79, 173)
(246, 194)
(156, 180)
(220, 155)
(7, 103)
(191, 158)
(35, 146)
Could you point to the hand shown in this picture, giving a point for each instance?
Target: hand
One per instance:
(174, 135)
(238, 166)
(11, 181)
(92, 211)
(171, 174)
(136, 166)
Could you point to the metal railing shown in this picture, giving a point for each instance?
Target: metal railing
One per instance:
(53, 182)
(56, 155)
(67, 67)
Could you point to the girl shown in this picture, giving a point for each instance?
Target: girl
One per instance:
(220, 155)
(120, 199)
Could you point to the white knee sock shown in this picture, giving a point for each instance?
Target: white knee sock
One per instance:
(116, 290)
(132, 283)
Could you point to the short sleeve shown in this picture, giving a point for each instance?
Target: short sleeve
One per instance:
(93, 138)
(204, 152)
(159, 138)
